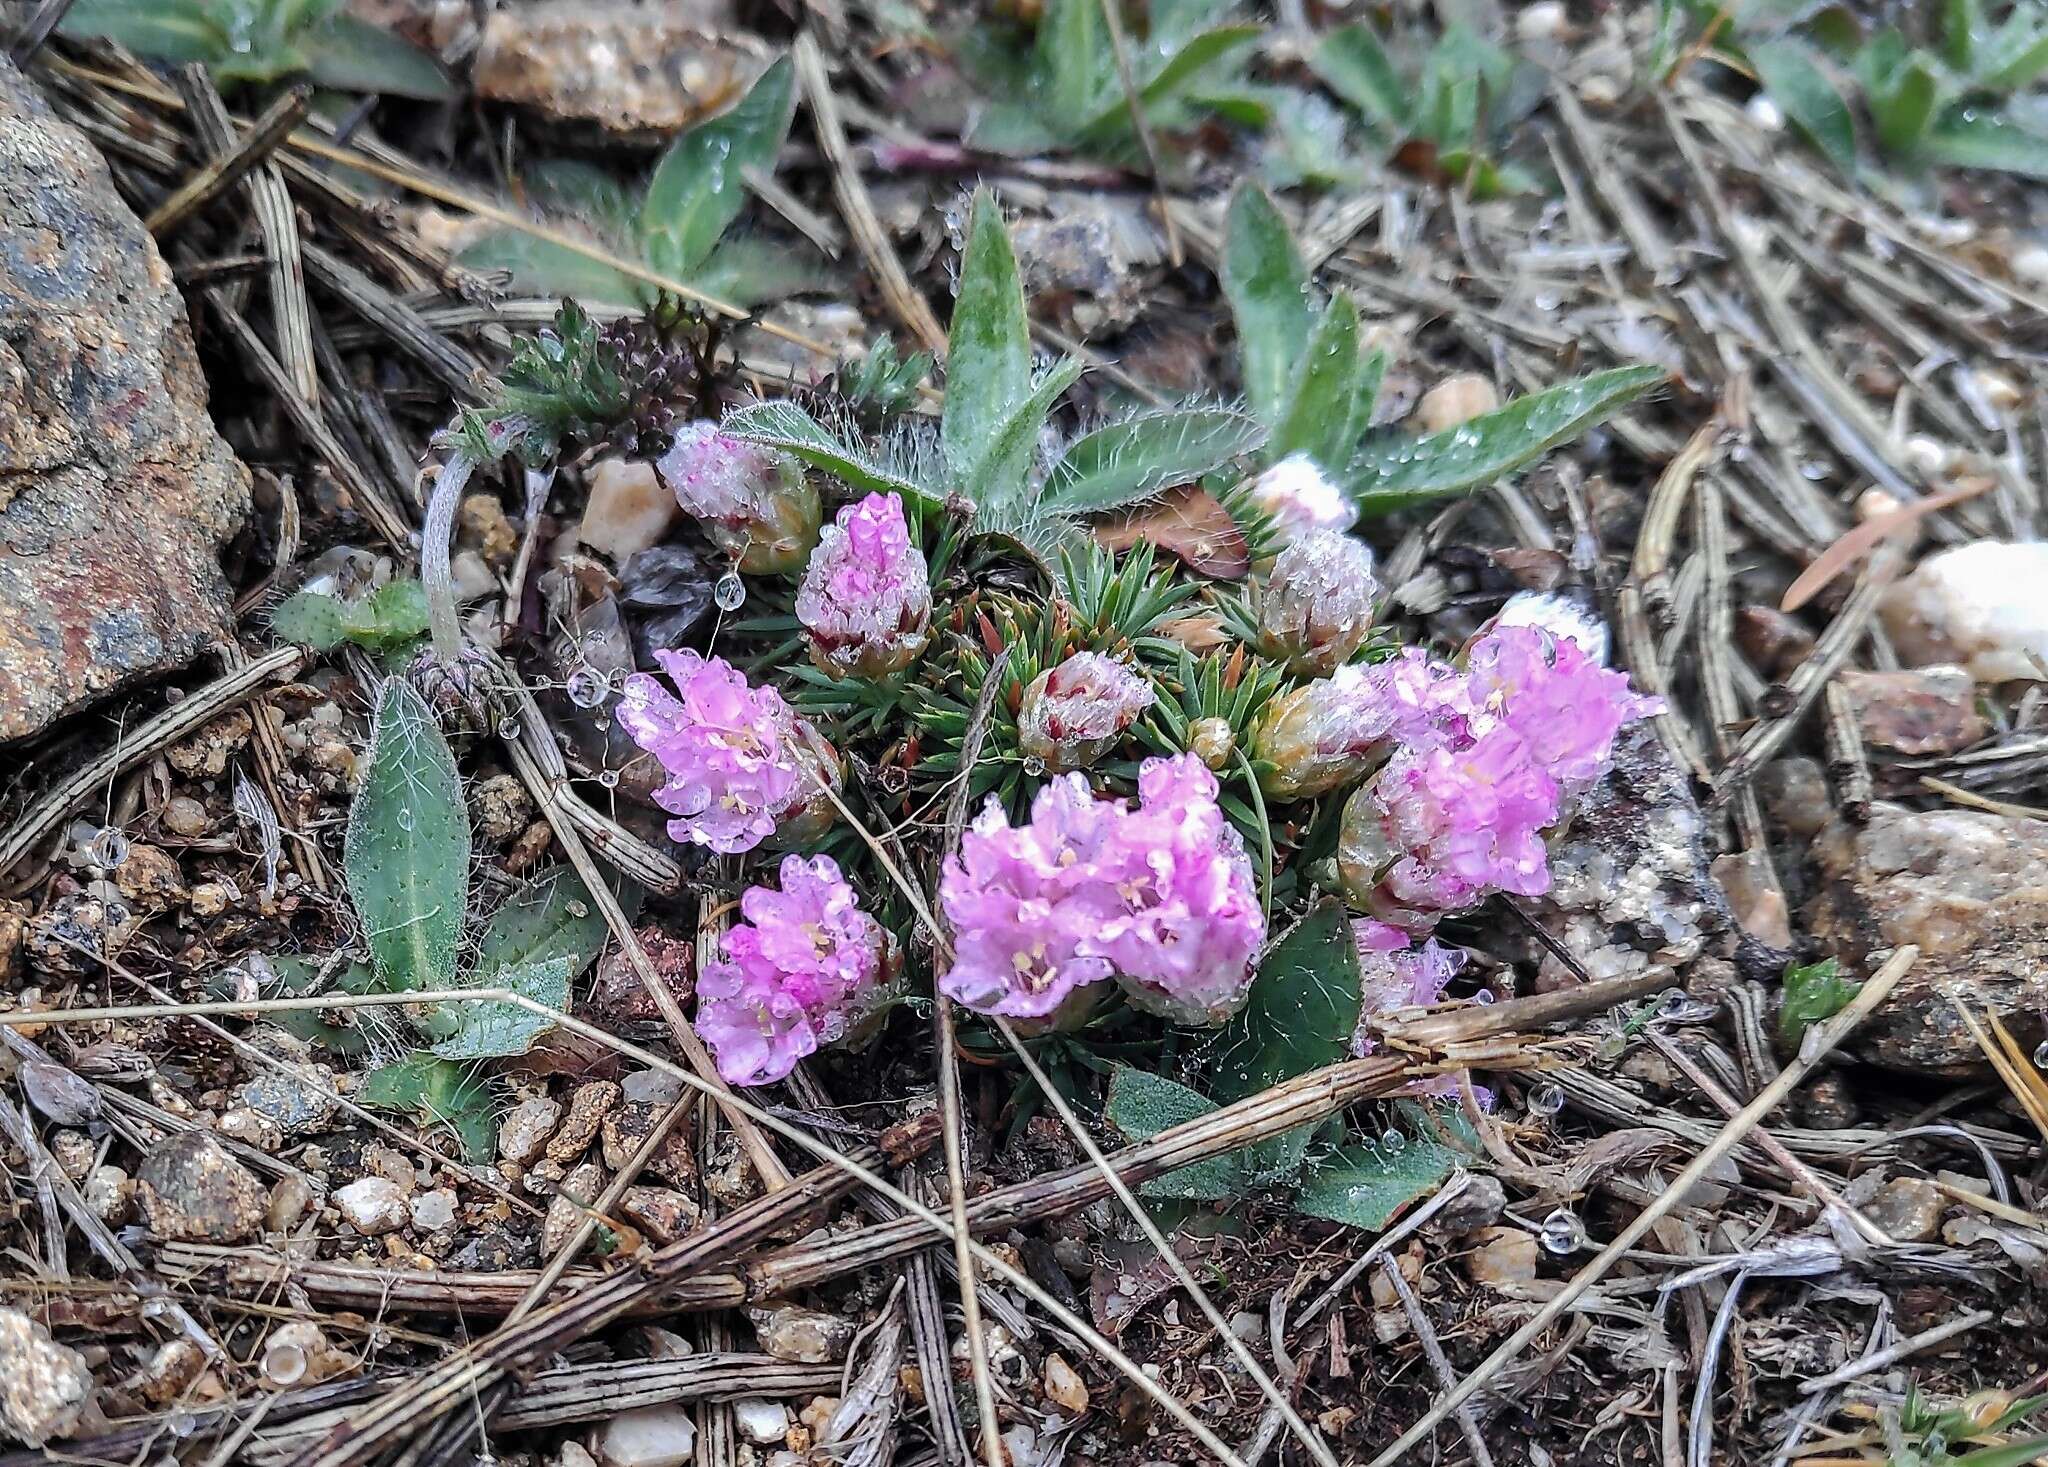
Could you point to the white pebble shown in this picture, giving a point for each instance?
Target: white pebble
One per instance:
(764, 1423)
(1984, 605)
(653, 1436)
(372, 1205)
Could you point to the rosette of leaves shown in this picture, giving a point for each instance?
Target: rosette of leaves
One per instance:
(264, 41)
(1958, 100)
(407, 869)
(1065, 90)
(986, 461)
(1301, 1016)
(1311, 380)
(676, 224)
(390, 621)
(1447, 115)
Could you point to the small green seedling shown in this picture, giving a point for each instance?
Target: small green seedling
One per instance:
(390, 621)
(265, 41)
(1813, 992)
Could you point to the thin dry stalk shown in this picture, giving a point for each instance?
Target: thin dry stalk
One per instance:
(222, 172)
(1142, 126)
(1433, 1350)
(1820, 1040)
(953, 1121)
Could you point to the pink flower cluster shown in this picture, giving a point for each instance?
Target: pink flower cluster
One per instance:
(1489, 764)
(731, 750)
(1398, 972)
(754, 503)
(866, 596)
(1160, 895)
(796, 973)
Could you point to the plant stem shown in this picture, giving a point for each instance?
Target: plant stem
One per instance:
(443, 616)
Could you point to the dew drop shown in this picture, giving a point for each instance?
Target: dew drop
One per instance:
(284, 1364)
(1546, 1099)
(1483, 996)
(405, 819)
(1394, 1141)
(1562, 1232)
(730, 591)
(181, 1423)
(587, 687)
(2041, 1055)
(508, 729)
(609, 779)
(1033, 766)
(109, 848)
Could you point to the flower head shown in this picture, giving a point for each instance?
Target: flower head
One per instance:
(1317, 604)
(1026, 903)
(1190, 922)
(1328, 733)
(1396, 973)
(1072, 713)
(1466, 822)
(795, 974)
(1300, 498)
(725, 745)
(754, 503)
(1557, 697)
(866, 597)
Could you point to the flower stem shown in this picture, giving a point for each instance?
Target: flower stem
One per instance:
(443, 617)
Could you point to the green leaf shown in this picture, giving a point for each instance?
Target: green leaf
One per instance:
(439, 1092)
(1388, 474)
(746, 271)
(165, 30)
(393, 616)
(351, 55)
(543, 267)
(1301, 1015)
(1813, 992)
(1352, 63)
(581, 191)
(2012, 1454)
(1961, 27)
(1002, 481)
(491, 1029)
(1113, 120)
(1267, 286)
(988, 354)
(1073, 63)
(1141, 1105)
(782, 424)
(1807, 96)
(1318, 414)
(292, 977)
(1365, 1188)
(407, 852)
(1974, 137)
(1125, 461)
(312, 619)
(552, 916)
(1904, 107)
(699, 186)
(2019, 52)
(1011, 129)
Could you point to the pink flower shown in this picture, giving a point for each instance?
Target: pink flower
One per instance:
(725, 745)
(1317, 604)
(754, 503)
(1071, 714)
(796, 973)
(1300, 498)
(866, 597)
(1546, 688)
(1396, 974)
(1466, 822)
(1190, 922)
(1026, 903)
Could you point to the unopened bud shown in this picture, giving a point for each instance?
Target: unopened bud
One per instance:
(1072, 713)
(754, 503)
(1212, 741)
(1316, 607)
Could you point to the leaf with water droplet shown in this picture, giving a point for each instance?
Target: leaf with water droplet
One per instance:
(782, 424)
(407, 851)
(1139, 456)
(1397, 471)
(1267, 286)
(699, 187)
(1141, 1105)
(492, 1029)
(1366, 1188)
(439, 1092)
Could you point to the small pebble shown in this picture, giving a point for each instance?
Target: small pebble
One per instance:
(184, 817)
(652, 1436)
(1457, 399)
(44, 1386)
(372, 1205)
(806, 1336)
(1064, 1386)
(1504, 1258)
(764, 1423)
(587, 1110)
(1909, 1209)
(435, 1210)
(524, 1132)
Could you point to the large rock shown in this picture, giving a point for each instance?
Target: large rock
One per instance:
(116, 493)
(1970, 888)
(625, 71)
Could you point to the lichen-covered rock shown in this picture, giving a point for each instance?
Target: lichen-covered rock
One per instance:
(44, 1386)
(116, 493)
(1630, 885)
(630, 72)
(1970, 889)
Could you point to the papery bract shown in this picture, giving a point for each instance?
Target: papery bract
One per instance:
(1072, 713)
(1396, 972)
(724, 744)
(1316, 606)
(1330, 732)
(866, 596)
(796, 973)
(1300, 497)
(754, 503)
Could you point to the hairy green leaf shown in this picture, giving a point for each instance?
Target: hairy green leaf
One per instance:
(352, 55)
(1352, 63)
(782, 424)
(1301, 1015)
(745, 271)
(1365, 1188)
(439, 1092)
(1320, 400)
(1974, 137)
(2018, 52)
(552, 916)
(1072, 63)
(1267, 286)
(582, 191)
(391, 617)
(1809, 98)
(988, 356)
(1123, 462)
(1002, 481)
(168, 30)
(699, 187)
(1390, 473)
(546, 268)
(1141, 1105)
(407, 851)
(490, 1029)
(293, 977)
(1113, 119)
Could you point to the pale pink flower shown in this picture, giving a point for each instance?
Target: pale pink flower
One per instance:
(1563, 703)
(1300, 498)
(1466, 822)
(1316, 606)
(866, 596)
(754, 503)
(725, 746)
(1071, 714)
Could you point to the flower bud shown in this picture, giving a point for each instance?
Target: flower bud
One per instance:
(1212, 741)
(866, 596)
(1299, 498)
(1318, 738)
(754, 503)
(1072, 713)
(1316, 607)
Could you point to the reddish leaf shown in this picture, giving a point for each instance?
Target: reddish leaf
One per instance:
(1187, 523)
